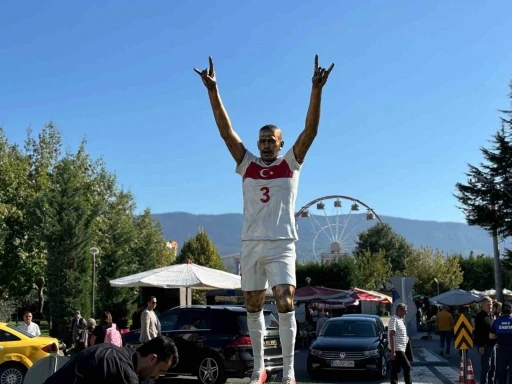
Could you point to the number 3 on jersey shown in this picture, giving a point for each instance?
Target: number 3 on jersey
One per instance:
(266, 195)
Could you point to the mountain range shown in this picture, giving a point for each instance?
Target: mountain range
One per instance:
(316, 233)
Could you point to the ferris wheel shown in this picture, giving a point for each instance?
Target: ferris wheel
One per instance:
(330, 225)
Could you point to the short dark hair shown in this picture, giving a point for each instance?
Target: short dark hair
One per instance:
(270, 127)
(163, 347)
(401, 306)
(151, 298)
(506, 309)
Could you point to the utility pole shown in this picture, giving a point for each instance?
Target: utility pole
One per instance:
(94, 251)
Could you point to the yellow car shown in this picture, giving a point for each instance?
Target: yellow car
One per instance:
(19, 351)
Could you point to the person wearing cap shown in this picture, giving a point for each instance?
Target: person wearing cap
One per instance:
(502, 331)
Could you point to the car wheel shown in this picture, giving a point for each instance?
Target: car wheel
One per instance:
(211, 370)
(383, 367)
(12, 373)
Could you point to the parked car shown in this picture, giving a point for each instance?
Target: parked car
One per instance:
(19, 351)
(350, 343)
(213, 342)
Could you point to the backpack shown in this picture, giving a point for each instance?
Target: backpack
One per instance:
(113, 336)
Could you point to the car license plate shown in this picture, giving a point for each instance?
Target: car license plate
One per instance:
(270, 343)
(342, 363)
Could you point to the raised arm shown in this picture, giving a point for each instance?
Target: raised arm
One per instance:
(232, 140)
(307, 136)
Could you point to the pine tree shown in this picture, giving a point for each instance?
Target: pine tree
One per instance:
(484, 202)
(68, 233)
(116, 257)
(148, 244)
(486, 199)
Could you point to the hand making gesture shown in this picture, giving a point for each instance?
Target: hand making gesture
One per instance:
(208, 75)
(320, 75)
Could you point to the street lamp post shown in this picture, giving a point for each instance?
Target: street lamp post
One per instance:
(94, 251)
(437, 282)
(495, 245)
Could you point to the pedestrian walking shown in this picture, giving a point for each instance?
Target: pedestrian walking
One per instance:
(398, 341)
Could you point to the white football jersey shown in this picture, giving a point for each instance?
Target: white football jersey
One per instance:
(269, 193)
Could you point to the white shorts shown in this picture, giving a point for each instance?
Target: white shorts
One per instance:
(267, 261)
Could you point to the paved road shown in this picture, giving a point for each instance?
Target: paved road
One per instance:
(429, 368)
(425, 374)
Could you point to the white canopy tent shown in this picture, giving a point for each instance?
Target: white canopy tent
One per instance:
(456, 297)
(188, 275)
(492, 292)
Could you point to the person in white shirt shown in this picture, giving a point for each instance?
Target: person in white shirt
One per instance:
(398, 345)
(269, 184)
(28, 326)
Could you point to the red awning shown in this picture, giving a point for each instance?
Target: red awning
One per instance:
(338, 303)
(363, 295)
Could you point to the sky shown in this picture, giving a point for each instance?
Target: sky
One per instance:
(416, 90)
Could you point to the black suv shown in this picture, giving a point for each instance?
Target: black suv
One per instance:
(213, 342)
(351, 342)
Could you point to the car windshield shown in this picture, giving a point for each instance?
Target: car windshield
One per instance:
(349, 329)
(20, 331)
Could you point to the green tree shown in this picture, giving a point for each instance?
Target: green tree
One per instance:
(373, 270)
(427, 264)
(25, 176)
(43, 155)
(484, 202)
(68, 233)
(200, 250)
(507, 269)
(381, 237)
(149, 247)
(13, 189)
(116, 258)
(486, 198)
(339, 274)
(478, 272)
(29, 175)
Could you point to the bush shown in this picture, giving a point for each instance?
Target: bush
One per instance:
(7, 308)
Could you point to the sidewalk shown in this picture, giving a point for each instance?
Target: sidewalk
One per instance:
(427, 354)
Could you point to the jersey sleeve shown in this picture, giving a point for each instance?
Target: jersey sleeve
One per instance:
(242, 167)
(289, 157)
